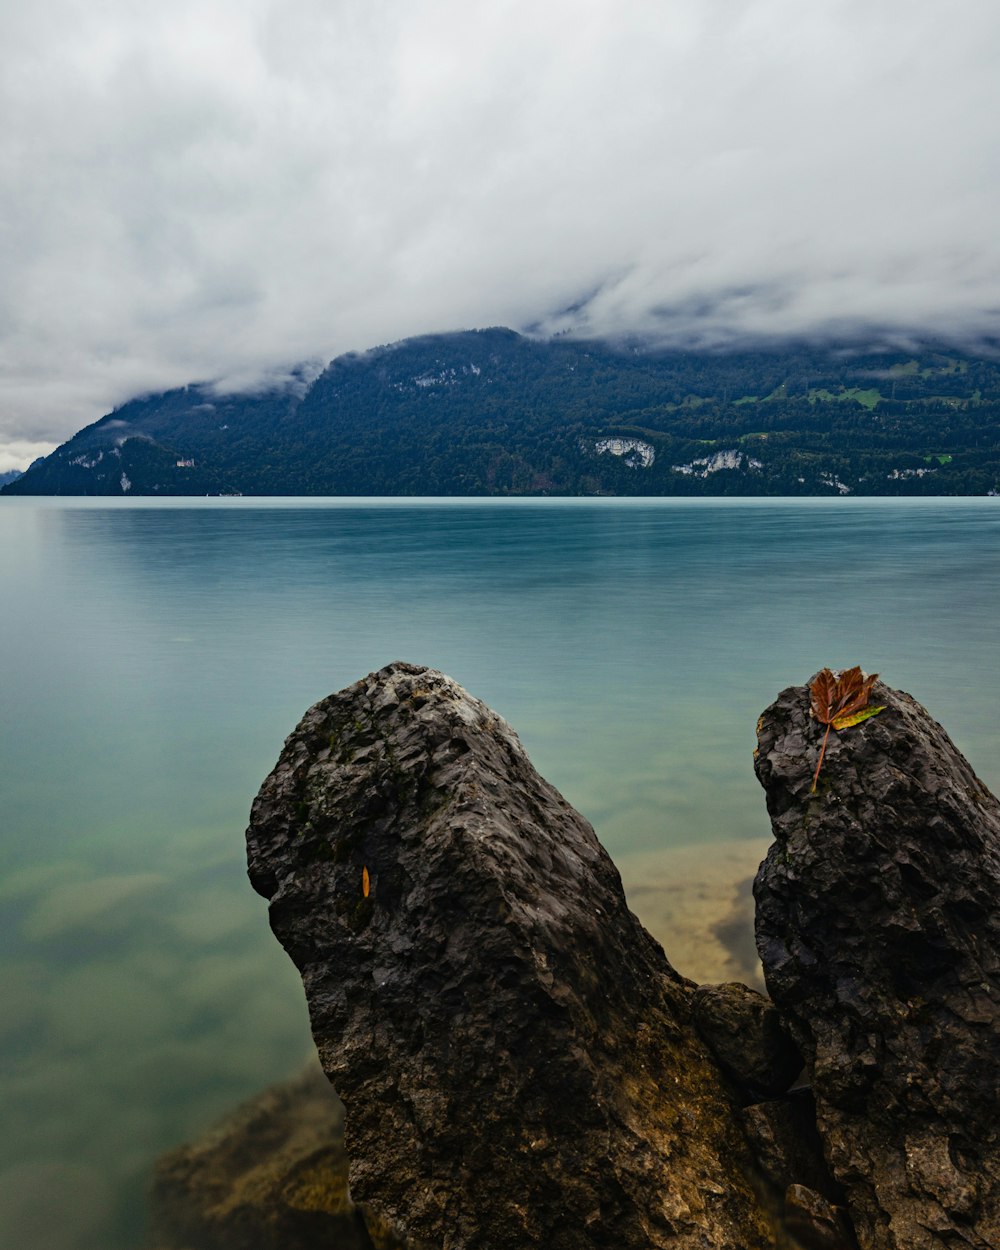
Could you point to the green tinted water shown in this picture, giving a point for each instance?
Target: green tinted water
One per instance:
(155, 655)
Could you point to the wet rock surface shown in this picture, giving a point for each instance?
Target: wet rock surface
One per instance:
(515, 1054)
(879, 930)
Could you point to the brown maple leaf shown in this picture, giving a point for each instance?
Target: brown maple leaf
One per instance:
(840, 700)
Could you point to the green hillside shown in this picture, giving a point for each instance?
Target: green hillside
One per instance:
(491, 412)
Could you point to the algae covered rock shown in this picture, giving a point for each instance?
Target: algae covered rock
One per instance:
(515, 1054)
(879, 930)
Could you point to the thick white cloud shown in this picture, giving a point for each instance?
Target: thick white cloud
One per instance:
(217, 188)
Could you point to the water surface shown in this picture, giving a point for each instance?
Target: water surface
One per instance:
(155, 654)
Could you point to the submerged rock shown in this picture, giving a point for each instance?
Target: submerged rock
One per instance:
(879, 930)
(515, 1054)
(272, 1176)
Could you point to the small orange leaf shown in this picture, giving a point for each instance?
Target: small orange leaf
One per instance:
(366, 882)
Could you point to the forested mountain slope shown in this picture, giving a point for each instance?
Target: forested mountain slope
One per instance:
(490, 412)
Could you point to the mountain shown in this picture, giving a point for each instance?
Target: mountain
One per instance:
(10, 475)
(490, 412)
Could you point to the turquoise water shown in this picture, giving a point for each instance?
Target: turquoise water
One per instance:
(156, 653)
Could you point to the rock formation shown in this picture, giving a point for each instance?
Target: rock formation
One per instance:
(515, 1054)
(522, 1066)
(879, 930)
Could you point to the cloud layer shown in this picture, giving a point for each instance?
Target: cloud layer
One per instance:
(215, 190)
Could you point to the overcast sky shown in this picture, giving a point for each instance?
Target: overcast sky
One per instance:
(217, 188)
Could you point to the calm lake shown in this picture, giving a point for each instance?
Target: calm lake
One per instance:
(155, 654)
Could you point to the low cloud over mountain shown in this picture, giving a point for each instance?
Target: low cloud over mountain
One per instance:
(199, 191)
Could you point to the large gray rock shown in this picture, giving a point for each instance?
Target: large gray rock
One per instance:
(879, 929)
(514, 1052)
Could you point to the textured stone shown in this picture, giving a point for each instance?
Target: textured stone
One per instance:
(515, 1054)
(745, 1033)
(272, 1176)
(879, 931)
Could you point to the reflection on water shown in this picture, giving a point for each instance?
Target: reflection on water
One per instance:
(156, 655)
